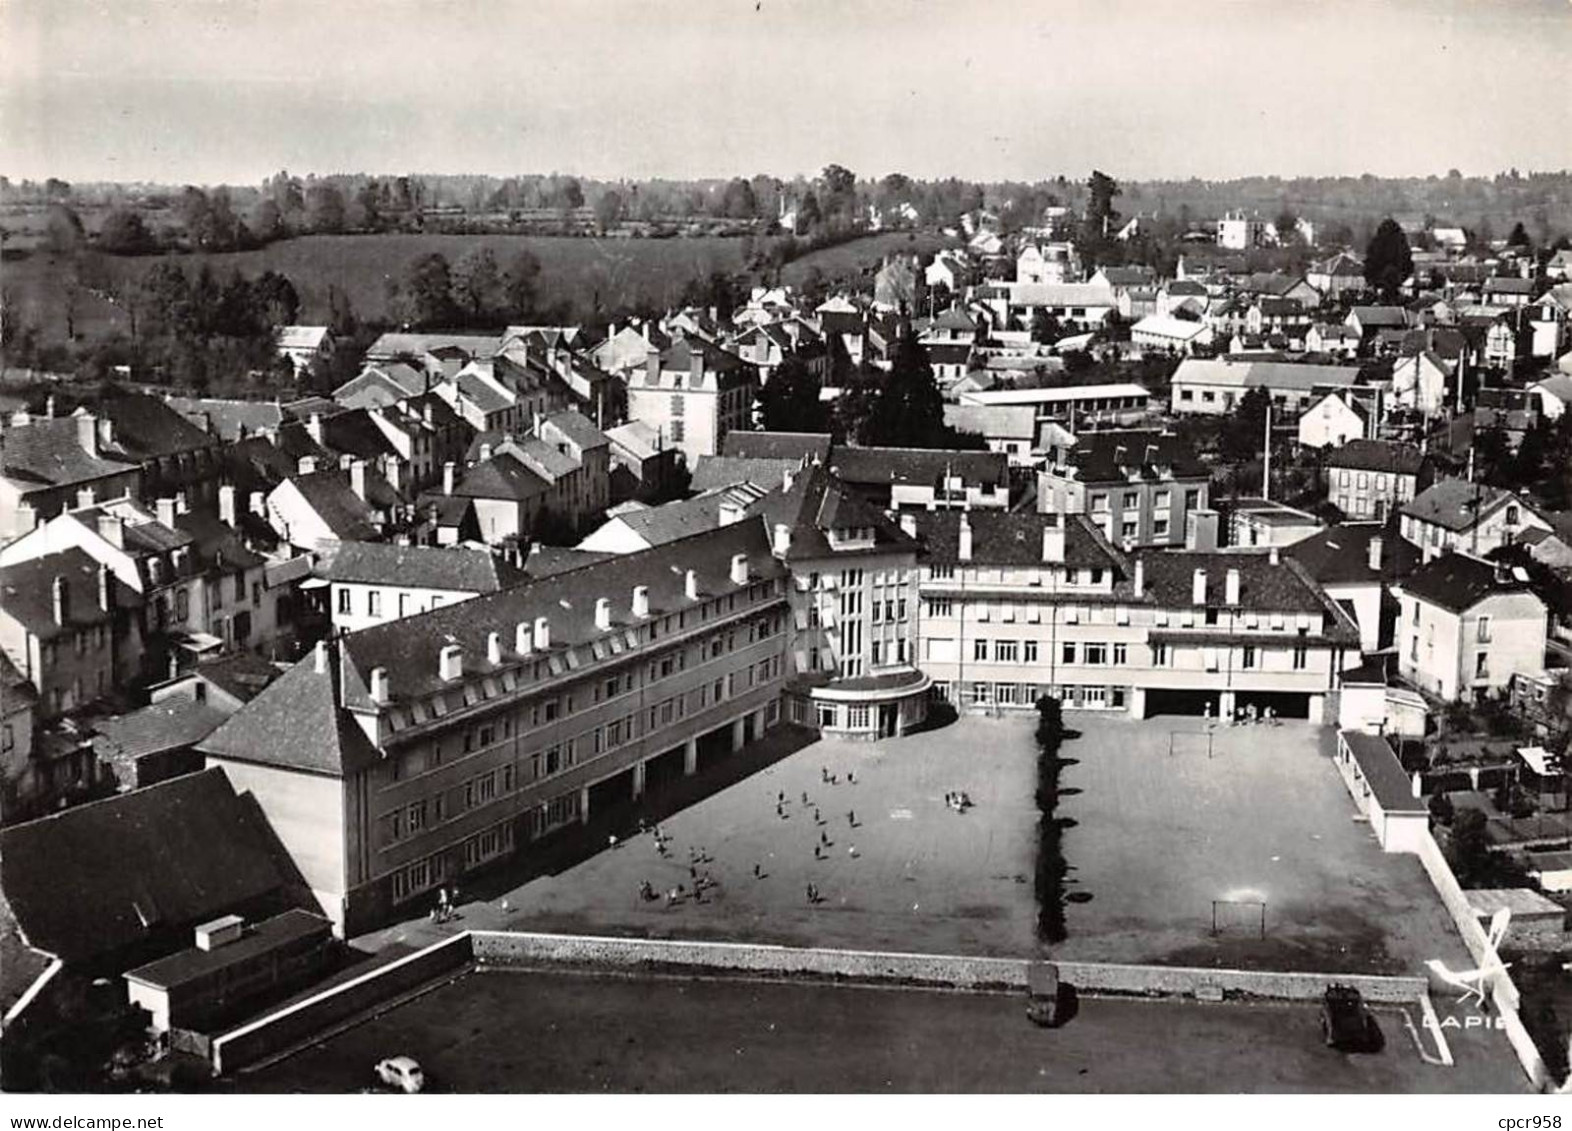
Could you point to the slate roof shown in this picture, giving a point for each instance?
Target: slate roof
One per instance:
(170, 724)
(922, 466)
(1388, 780)
(194, 964)
(722, 471)
(776, 445)
(579, 429)
(1006, 539)
(816, 503)
(296, 723)
(1059, 294)
(1458, 582)
(1455, 504)
(100, 878)
(546, 561)
(345, 513)
(1340, 555)
(638, 438)
(1008, 422)
(408, 649)
(355, 433)
(1263, 587)
(241, 675)
(27, 593)
(228, 419)
(145, 428)
(14, 687)
(670, 521)
(1097, 457)
(1377, 455)
(426, 567)
(390, 346)
(1374, 317)
(502, 476)
(300, 337)
(46, 452)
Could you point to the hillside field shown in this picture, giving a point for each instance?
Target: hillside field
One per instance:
(589, 274)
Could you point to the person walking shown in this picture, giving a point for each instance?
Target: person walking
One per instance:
(851, 817)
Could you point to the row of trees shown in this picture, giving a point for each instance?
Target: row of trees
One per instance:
(476, 290)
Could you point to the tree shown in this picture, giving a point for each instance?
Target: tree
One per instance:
(907, 411)
(808, 215)
(123, 232)
(520, 286)
(839, 186)
(427, 290)
(790, 401)
(1245, 431)
(738, 201)
(1388, 260)
(608, 210)
(1101, 216)
(324, 207)
(477, 283)
(277, 302)
(166, 295)
(1287, 225)
(63, 232)
(1519, 236)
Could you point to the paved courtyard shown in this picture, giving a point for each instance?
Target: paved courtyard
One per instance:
(1158, 837)
(526, 1032)
(924, 878)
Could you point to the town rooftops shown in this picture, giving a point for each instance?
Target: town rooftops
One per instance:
(503, 476)
(1167, 326)
(637, 438)
(328, 492)
(241, 675)
(720, 471)
(817, 507)
(391, 346)
(100, 878)
(145, 428)
(170, 724)
(48, 453)
(194, 964)
(1456, 504)
(777, 445)
(1270, 375)
(1004, 539)
(1084, 295)
(408, 650)
(1341, 555)
(1375, 317)
(578, 429)
(671, 521)
(1101, 457)
(300, 337)
(1001, 422)
(1377, 455)
(1457, 582)
(420, 567)
(27, 593)
(1283, 587)
(918, 466)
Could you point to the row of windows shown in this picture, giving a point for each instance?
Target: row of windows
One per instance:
(1131, 500)
(417, 816)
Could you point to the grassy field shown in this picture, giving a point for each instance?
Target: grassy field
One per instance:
(586, 273)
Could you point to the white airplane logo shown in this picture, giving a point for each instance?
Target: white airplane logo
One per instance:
(1474, 983)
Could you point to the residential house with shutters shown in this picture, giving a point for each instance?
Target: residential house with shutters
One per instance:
(1471, 518)
(1466, 626)
(1419, 383)
(406, 756)
(1015, 606)
(371, 583)
(51, 464)
(1357, 563)
(315, 508)
(1372, 479)
(1333, 421)
(1137, 486)
(1337, 275)
(175, 456)
(694, 393)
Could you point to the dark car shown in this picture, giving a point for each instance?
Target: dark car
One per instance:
(1346, 1023)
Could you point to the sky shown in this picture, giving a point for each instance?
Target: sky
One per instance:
(230, 91)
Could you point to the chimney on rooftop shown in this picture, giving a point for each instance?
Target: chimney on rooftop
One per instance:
(1231, 587)
(307, 465)
(485, 452)
(166, 511)
(690, 585)
(379, 685)
(182, 506)
(494, 648)
(357, 478)
(112, 529)
(739, 569)
(1053, 540)
(1139, 584)
(1377, 548)
(87, 433)
(641, 601)
(542, 633)
(523, 638)
(226, 504)
(49, 407)
(909, 525)
(965, 539)
(602, 613)
(788, 477)
(782, 543)
(320, 654)
(103, 588)
(314, 427)
(1273, 557)
(1198, 588)
(84, 497)
(257, 504)
(106, 431)
(450, 662)
(447, 477)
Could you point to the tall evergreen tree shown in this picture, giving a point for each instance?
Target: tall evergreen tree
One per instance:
(790, 402)
(908, 411)
(1388, 260)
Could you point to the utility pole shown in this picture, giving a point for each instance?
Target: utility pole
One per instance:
(1266, 455)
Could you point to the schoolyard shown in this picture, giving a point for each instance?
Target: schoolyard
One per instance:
(1154, 839)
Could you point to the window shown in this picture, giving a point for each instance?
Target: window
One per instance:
(1099, 502)
(1121, 653)
(1005, 651)
(1131, 500)
(1484, 630)
(1159, 655)
(1067, 653)
(343, 602)
(1127, 529)
(1192, 499)
(1482, 665)
(1247, 660)
(1029, 651)
(1301, 654)
(373, 602)
(1096, 654)
(979, 649)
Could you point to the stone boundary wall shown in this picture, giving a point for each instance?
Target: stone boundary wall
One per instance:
(309, 1019)
(502, 949)
(1503, 991)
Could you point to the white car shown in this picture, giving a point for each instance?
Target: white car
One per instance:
(402, 1074)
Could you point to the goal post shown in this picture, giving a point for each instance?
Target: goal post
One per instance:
(1239, 918)
(1192, 741)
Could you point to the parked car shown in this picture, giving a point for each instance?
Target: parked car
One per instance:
(1042, 994)
(402, 1074)
(1346, 1023)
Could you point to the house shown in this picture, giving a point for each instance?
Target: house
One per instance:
(634, 528)
(1419, 383)
(1454, 514)
(1336, 276)
(1281, 286)
(383, 383)
(26, 783)
(174, 455)
(1174, 335)
(1554, 394)
(315, 508)
(403, 757)
(642, 465)
(1215, 387)
(1021, 605)
(1367, 321)
(898, 478)
(1333, 421)
(853, 608)
(1559, 265)
(1387, 799)
(442, 355)
(1467, 625)
(153, 743)
(1507, 290)
(1266, 522)
(1047, 263)
(694, 393)
(1548, 317)
(948, 270)
(1082, 306)
(370, 583)
(506, 498)
(1371, 479)
(1236, 231)
(1356, 563)
(799, 446)
(304, 345)
(1138, 486)
(629, 348)
(1010, 429)
(50, 464)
